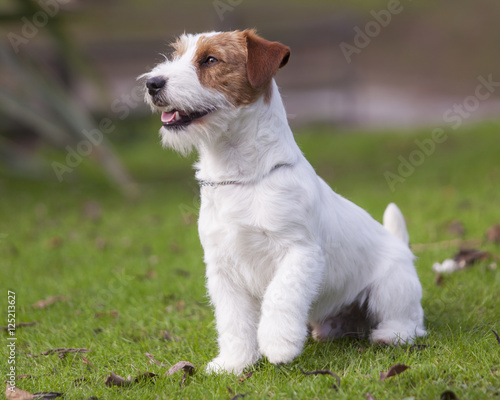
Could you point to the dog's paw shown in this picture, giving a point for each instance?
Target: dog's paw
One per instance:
(280, 351)
(395, 333)
(219, 365)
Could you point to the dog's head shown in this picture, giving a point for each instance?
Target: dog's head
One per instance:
(208, 78)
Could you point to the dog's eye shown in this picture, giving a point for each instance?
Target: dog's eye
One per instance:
(211, 60)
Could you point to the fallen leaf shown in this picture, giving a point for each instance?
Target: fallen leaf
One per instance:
(467, 257)
(152, 360)
(493, 234)
(19, 325)
(100, 243)
(417, 347)
(496, 335)
(112, 313)
(456, 228)
(60, 351)
(181, 365)
(14, 393)
(85, 360)
(238, 396)
(166, 336)
(182, 272)
(369, 396)
(54, 242)
(393, 371)
(24, 376)
(245, 377)
(145, 376)
(180, 305)
(47, 395)
(324, 372)
(448, 395)
(151, 274)
(175, 247)
(116, 380)
(49, 301)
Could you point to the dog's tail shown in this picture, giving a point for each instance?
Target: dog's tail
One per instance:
(395, 223)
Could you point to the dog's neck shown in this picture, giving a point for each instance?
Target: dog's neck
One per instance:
(256, 141)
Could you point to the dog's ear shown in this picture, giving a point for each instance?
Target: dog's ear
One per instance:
(264, 58)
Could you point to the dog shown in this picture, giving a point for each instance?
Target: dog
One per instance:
(285, 255)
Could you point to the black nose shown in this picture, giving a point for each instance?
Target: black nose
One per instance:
(155, 84)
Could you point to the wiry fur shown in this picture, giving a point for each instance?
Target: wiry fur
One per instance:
(282, 250)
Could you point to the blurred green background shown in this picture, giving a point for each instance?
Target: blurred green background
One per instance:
(70, 66)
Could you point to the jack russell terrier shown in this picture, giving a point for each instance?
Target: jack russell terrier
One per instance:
(285, 255)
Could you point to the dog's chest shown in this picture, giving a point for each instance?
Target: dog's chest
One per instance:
(238, 234)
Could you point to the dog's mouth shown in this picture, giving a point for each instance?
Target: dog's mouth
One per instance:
(179, 119)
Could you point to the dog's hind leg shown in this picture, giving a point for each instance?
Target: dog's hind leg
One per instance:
(394, 304)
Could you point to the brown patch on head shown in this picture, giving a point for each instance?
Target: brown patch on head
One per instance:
(238, 64)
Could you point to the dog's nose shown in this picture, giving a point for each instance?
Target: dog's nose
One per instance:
(155, 84)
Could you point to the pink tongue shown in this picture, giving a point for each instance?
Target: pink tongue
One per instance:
(167, 117)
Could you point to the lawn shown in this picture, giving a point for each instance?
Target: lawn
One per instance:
(126, 277)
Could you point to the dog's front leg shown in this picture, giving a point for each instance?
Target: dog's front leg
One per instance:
(283, 325)
(236, 315)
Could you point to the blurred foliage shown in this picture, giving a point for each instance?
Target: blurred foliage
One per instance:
(39, 99)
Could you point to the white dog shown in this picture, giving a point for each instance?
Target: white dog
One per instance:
(283, 252)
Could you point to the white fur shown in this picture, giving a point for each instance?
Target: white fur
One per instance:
(282, 250)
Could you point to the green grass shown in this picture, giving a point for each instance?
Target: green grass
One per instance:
(142, 261)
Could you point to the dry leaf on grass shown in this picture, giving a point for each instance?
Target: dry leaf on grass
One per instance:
(19, 325)
(49, 301)
(152, 360)
(186, 366)
(61, 351)
(324, 372)
(448, 395)
(14, 393)
(417, 347)
(493, 234)
(393, 371)
(456, 228)
(17, 394)
(238, 396)
(245, 377)
(116, 380)
(369, 396)
(168, 337)
(112, 313)
(464, 258)
(467, 257)
(54, 242)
